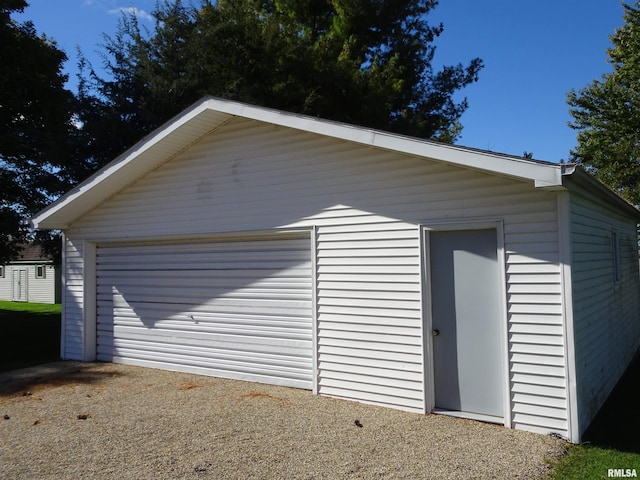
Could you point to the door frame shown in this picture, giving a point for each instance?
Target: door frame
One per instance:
(427, 321)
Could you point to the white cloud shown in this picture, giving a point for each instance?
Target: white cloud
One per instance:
(141, 14)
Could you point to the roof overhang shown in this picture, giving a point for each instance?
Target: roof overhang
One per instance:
(582, 181)
(210, 114)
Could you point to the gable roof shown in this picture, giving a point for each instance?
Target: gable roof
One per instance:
(210, 114)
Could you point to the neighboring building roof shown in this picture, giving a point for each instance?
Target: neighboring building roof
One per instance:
(210, 113)
(32, 253)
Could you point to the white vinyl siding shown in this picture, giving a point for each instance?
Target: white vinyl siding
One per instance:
(6, 280)
(606, 323)
(72, 301)
(369, 315)
(236, 309)
(42, 289)
(367, 206)
(5, 284)
(536, 342)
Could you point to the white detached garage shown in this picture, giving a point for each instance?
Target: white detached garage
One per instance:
(254, 244)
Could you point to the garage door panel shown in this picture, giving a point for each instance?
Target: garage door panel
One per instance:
(207, 284)
(297, 244)
(204, 368)
(223, 366)
(196, 276)
(222, 298)
(278, 333)
(172, 306)
(127, 316)
(229, 289)
(187, 342)
(218, 355)
(204, 261)
(210, 333)
(145, 347)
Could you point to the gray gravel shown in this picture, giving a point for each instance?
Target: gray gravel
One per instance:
(69, 420)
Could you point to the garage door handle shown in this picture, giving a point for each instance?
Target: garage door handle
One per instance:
(435, 333)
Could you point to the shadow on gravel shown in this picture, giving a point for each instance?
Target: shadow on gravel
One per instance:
(617, 425)
(51, 375)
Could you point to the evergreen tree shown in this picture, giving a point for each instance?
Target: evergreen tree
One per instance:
(366, 62)
(607, 114)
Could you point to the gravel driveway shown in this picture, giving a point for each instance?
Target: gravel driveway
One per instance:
(69, 420)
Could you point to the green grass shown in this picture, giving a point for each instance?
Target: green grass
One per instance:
(585, 462)
(613, 439)
(30, 334)
(39, 308)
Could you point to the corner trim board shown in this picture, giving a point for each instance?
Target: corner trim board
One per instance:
(89, 312)
(564, 241)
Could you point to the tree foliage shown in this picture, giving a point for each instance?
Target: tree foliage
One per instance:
(35, 123)
(606, 114)
(366, 62)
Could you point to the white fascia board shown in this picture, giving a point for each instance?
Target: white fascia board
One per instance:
(542, 174)
(300, 122)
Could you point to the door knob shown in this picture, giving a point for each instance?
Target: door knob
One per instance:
(435, 333)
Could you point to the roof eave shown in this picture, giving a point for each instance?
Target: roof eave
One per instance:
(579, 177)
(543, 174)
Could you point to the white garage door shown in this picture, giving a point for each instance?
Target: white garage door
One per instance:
(235, 309)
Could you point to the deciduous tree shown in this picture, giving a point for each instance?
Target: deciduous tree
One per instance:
(35, 121)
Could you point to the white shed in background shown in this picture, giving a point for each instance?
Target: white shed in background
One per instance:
(249, 243)
(32, 277)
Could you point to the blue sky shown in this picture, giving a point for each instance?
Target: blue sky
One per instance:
(534, 52)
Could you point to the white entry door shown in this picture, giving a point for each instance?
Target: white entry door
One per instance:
(19, 286)
(466, 322)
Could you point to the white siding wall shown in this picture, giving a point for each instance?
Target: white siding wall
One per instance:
(369, 314)
(5, 285)
(38, 290)
(367, 205)
(536, 342)
(606, 311)
(42, 290)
